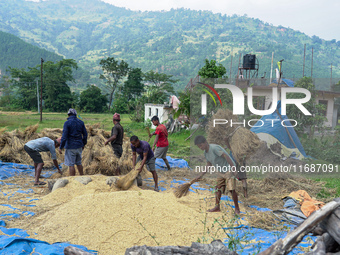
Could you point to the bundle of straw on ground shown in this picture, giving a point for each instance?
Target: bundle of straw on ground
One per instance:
(242, 141)
(96, 158)
(126, 181)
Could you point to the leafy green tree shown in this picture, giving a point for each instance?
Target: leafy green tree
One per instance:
(212, 70)
(113, 72)
(121, 104)
(162, 81)
(58, 96)
(7, 98)
(92, 100)
(317, 110)
(133, 86)
(56, 93)
(25, 84)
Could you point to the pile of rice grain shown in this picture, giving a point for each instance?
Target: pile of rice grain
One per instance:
(110, 222)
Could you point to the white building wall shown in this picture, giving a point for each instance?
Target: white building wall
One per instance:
(155, 110)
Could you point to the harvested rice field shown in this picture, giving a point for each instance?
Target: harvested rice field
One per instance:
(108, 220)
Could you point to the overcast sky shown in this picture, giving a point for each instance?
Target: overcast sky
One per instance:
(312, 17)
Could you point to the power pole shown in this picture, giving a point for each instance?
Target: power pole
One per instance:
(304, 58)
(331, 74)
(231, 64)
(41, 85)
(38, 96)
(311, 74)
(271, 69)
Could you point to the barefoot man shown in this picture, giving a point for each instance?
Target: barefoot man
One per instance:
(218, 158)
(34, 147)
(143, 149)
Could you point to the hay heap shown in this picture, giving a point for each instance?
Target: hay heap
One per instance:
(126, 181)
(243, 142)
(96, 158)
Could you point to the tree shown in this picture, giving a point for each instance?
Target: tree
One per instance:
(133, 86)
(92, 100)
(113, 72)
(162, 81)
(159, 87)
(58, 96)
(211, 70)
(56, 93)
(7, 96)
(317, 110)
(25, 83)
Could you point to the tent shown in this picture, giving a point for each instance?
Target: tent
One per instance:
(270, 129)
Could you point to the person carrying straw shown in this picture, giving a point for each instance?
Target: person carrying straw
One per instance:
(147, 158)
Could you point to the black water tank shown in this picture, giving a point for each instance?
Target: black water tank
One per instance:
(249, 61)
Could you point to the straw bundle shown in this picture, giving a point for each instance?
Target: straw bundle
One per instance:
(183, 190)
(96, 158)
(242, 141)
(126, 181)
(30, 130)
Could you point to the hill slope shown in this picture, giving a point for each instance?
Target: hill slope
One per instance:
(20, 54)
(175, 42)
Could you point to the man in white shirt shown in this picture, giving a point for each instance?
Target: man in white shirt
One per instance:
(44, 144)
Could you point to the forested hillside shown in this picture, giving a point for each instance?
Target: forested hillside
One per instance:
(175, 42)
(17, 53)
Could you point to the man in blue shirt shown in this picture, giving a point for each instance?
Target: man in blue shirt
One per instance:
(74, 139)
(34, 147)
(146, 156)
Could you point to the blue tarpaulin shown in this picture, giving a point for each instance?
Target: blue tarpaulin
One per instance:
(16, 241)
(173, 162)
(270, 129)
(8, 170)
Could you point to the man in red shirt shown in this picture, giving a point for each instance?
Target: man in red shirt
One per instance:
(161, 141)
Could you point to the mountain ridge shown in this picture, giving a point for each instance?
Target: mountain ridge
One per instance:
(175, 42)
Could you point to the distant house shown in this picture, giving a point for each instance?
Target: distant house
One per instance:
(162, 111)
(262, 95)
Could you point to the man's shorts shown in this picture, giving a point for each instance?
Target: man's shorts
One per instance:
(150, 164)
(117, 150)
(73, 157)
(35, 155)
(229, 182)
(160, 152)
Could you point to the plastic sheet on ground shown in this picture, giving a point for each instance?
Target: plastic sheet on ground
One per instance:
(173, 162)
(250, 240)
(16, 241)
(8, 170)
